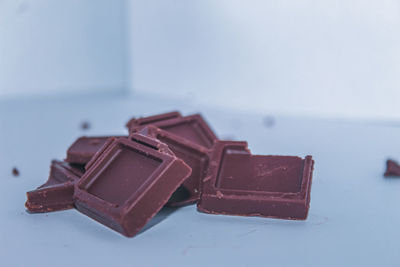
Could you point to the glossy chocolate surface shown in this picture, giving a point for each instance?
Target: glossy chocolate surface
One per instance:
(128, 182)
(239, 183)
(56, 194)
(192, 154)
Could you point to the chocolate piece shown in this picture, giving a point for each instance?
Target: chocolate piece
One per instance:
(392, 168)
(129, 182)
(56, 194)
(192, 128)
(51, 198)
(135, 124)
(83, 149)
(239, 183)
(15, 172)
(95, 157)
(85, 125)
(194, 155)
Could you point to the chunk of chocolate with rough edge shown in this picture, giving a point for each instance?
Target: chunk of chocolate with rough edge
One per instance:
(51, 198)
(129, 182)
(192, 154)
(193, 128)
(83, 149)
(133, 124)
(56, 194)
(392, 169)
(239, 183)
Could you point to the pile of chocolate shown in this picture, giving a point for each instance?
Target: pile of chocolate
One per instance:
(173, 160)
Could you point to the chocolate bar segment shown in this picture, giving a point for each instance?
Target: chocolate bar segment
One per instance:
(193, 128)
(392, 169)
(192, 154)
(239, 183)
(129, 182)
(135, 124)
(83, 149)
(56, 194)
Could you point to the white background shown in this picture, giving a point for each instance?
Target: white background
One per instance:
(326, 58)
(331, 58)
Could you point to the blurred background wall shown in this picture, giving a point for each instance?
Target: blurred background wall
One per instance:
(326, 58)
(62, 47)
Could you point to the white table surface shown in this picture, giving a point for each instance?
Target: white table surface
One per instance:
(354, 218)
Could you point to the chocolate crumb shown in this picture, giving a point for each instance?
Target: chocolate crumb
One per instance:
(269, 121)
(15, 171)
(392, 168)
(85, 125)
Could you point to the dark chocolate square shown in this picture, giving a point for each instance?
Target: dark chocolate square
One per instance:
(128, 182)
(239, 183)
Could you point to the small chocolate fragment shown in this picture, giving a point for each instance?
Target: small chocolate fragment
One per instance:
(392, 169)
(194, 155)
(83, 149)
(15, 171)
(239, 183)
(85, 125)
(128, 182)
(193, 128)
(56, 194)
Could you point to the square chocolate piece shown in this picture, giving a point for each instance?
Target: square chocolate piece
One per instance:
(194, 155)
(193, 128)
(239, 183)
(128, 182)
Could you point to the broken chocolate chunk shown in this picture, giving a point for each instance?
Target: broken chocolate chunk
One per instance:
(239, 183)
(56, 194)
(128, 182)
